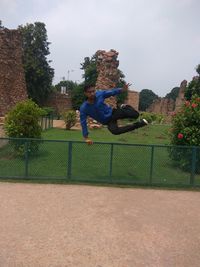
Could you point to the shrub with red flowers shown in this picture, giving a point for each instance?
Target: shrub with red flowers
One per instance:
(186, 132)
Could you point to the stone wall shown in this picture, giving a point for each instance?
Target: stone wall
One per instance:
(12, 79)
(108, 73)
(180, 99)
(59, 102)
(166, 106)
(133, 99)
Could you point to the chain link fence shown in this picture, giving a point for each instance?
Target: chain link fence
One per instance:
(101, 162)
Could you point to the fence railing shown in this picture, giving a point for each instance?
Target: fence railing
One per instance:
(46, 122)
(102, 162)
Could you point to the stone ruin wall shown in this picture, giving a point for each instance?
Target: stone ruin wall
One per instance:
(133, 99)
(166, 106)
(12, 78)
(59, 102)
(108, 73)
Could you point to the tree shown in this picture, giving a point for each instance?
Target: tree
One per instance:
(1, 25)
(78, 96)
(89, 66)
(38, 73)
(70, 85)
(193, 87)
(173, 94)
(146, 98)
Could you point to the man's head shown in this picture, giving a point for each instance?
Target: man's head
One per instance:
(89, 91)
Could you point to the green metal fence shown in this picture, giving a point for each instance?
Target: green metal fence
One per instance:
(102, 162)
(46, 122)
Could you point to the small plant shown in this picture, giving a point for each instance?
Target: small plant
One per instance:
(23, 122)
(152, 117)
(70, 118)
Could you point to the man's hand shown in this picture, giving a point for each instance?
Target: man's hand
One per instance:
(88, 141)
(125, 87)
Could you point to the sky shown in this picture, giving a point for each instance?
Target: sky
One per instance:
(158, 40)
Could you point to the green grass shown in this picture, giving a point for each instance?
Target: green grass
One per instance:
(151, 134)
(130, 164)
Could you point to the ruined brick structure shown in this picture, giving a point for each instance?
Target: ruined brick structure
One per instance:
(12, 79)
(108, 73)
(180, 98)
(60, 102)
(133, 99)
(166, 106)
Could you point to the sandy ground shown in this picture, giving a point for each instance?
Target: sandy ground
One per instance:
(88, 226)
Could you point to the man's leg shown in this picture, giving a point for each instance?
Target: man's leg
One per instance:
(125, 112)
(122, 113)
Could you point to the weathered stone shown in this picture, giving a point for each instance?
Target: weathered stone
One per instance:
(180, 99)
(167, 106)
(60, 102)
(133, 99)
(108, 74)
(12, 78)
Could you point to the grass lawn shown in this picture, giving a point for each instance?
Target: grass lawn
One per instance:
(116, 163)
(151, 134)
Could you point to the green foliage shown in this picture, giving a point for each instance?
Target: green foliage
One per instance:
(146, 98)
(49, 111)
(193, 87)
(70, 118)
(186, 131)
(173, 94)
(38, 72)
(1, 25)
(23, 122)
(152, 117)
(78, 96)
(70, 85)
(121, 98)
(89, 66)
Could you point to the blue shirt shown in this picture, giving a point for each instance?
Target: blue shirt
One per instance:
(99, 111)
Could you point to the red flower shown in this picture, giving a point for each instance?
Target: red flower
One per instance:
(180, 136)
(173, 114)
(198, 99)
(194, 105)
(187, 103)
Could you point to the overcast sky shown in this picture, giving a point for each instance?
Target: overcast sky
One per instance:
(158, 40)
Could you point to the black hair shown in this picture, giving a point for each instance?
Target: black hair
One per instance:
(88, 86)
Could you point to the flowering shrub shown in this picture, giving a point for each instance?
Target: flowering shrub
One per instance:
(186, 131)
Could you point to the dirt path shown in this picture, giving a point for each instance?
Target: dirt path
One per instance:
(68, 225)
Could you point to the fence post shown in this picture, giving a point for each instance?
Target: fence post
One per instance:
(45, 123)
(69, 166)
(111, 162)
(151, 166)
(26, 158)
(193, 167)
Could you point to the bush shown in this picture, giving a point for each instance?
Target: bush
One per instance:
(70, 118)
(186, 132)
(23, 122)
(152, 117)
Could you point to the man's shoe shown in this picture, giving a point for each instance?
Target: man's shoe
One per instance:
(123, 105)
(144, 122)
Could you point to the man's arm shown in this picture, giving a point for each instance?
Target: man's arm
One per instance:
(116, 91)
(83, 120)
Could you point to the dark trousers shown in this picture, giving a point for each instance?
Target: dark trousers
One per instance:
(123, 113)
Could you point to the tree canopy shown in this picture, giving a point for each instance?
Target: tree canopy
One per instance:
(146, 98)
(38, 72)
